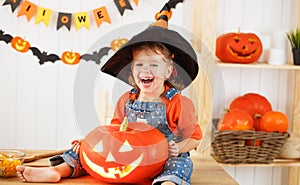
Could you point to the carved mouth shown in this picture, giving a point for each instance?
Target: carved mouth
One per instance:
(115, 172)
(242, 55)
(70, 60)
(20, 47)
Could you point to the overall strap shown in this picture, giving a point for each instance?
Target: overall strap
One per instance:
(171, 93)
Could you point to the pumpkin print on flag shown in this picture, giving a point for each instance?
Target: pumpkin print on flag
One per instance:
(134, 155)
(238, 47)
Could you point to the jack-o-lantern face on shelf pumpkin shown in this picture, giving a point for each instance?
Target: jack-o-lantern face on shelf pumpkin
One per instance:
(132, 156)
(69, 57)
(117, 43)
(20, 44)
(239, 47)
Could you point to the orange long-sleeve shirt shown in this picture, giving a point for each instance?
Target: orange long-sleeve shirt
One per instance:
(180, 115)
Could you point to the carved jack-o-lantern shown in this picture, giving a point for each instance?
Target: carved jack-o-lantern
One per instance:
(238, 47)
(117, 43)
(20, 44)
(69, 57)
(132, 156)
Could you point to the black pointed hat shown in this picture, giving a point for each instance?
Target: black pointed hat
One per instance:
(185, 58)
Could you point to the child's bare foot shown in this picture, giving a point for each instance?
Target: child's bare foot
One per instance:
(37, 174)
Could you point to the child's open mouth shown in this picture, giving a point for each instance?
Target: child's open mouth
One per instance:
(146, 80)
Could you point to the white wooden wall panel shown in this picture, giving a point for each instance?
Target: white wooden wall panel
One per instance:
(252, 13)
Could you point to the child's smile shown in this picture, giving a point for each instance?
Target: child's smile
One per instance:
(150, 72)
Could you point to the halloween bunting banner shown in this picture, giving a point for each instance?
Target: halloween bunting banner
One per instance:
(122, 5)
(81, 19)
(67, 57)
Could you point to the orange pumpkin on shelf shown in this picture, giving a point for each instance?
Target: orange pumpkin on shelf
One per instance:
(255, 104)
(69, 57)
(117, 43)
(274, 121)
(20, 44)
(238, 47)
(236, 120)
(126, 156)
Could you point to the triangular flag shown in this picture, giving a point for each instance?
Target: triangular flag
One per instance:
(136, 2)
(101, 15)
(13, 4)
(28, 9)
(82, 19)
(43, 14)
(64, 19)
(122, 5)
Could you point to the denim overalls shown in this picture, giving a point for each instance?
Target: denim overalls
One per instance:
(177, 169)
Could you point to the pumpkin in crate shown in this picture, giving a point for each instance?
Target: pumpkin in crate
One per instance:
(236, 120)
(20, 44)
(255, 104)
(132, 155)
(238, 47)
(274, 121)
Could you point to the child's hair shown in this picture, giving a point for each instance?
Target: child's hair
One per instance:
(159, 48)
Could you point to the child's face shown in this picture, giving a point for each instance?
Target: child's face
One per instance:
(150, 71)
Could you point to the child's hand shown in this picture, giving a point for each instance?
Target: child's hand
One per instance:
(173, 149)
(76, 145)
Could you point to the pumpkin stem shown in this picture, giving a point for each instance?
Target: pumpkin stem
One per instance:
(226, 110)
(124, 124)
(239, 30)
(257, 116)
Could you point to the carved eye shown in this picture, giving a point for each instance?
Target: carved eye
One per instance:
(98, 147)
(252, 41)
(126, 147)
(236, 39)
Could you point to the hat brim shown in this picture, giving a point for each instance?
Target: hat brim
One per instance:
(185, 58)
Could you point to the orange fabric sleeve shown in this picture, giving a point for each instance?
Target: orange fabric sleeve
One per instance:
(119, 112)
(181, 116)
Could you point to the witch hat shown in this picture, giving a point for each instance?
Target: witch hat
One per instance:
(185, 58)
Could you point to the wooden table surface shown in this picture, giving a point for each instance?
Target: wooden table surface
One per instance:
(206, 171)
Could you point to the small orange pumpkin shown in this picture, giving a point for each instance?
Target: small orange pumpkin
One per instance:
(117, 43)
(20, 44)
(274, 121)
(69, 57)
(253, 103)
(238, 47)
(236, 120)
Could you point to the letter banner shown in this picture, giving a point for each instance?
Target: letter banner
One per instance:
(43, 14)
(64, 19)
(13, 4)
(82, 19)
(122, 5)
(28, 9)
(101, 15)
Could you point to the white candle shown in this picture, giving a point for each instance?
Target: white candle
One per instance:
(277, 57)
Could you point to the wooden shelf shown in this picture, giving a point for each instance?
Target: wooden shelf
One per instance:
(263, 65)
(275, 163)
